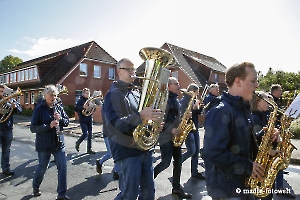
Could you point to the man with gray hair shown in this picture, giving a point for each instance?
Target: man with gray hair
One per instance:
(47, 119)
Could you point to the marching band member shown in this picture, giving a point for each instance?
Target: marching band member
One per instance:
(6, 135)
(122, 117)
(86, 122)
(210, 99)
(167, 149)
(192, 141)
(228, 142)
(46, 119)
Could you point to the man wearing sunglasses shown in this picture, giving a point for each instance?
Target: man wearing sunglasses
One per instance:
(122, 117)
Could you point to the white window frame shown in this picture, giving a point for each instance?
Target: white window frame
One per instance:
(216, 78)
(32, 97)
(78, 93)
(35, 74)
(175, 74)
(83, 70)
(113, 75)
(5, 78)
(22, 75)
(19, 76)
(26, 74)
(26, 98)
(97, 75)
(30, 74)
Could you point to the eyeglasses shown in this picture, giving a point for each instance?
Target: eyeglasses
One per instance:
(129, 69)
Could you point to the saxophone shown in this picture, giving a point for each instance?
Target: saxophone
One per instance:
(271, 164)
(154, 93)
(185, 126)
(285, 146)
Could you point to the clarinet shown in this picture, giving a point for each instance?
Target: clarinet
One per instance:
(58, 128)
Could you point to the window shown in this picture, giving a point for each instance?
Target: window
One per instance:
(19, 76)
(216, 78)
(5, 78)
(35, 75)
(13, 77)
(1, 79)
(22, 76)
(30, 72)
(175, 74)
(111, 74)
(26, 74)
(83, 69)
(97, 71)
(77, 95)
(32, 97)
(26, 98)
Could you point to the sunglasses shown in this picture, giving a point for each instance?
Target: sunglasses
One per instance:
(129, 69)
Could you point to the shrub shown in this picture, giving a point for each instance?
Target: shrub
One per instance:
(69, 110)
(27, 112)
(295, 128)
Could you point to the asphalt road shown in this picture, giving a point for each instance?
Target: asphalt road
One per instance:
(83, 180)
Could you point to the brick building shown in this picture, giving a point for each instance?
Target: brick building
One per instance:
(88, 65)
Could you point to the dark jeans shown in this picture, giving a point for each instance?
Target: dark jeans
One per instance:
(61, 163)
(192, 144)
(279, 179)
(168, 150)
(86, 132)
(136, 177)
(5, 142)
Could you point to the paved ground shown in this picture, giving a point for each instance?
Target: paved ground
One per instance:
(84, 182)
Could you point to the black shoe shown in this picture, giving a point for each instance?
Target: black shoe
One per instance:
(285, 193)
(116, 176)
(36, 192)
(91, 151)
(77, 146)
(198, 176)
(64, 198)
(98, 167)
(180, 193)
(286, 172)
(8, 172)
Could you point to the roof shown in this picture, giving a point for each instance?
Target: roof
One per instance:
(53, 67)
(198, 67)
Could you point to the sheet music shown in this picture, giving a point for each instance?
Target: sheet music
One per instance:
(294, 109)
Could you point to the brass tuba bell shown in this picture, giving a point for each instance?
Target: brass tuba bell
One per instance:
(6, 109)
(154, 93)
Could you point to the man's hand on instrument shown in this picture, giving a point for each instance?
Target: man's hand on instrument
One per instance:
(53, 124)
(56, 116)
(150, 114)
(257, 171)
(175, 131)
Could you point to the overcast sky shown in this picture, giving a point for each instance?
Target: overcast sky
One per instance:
(265, 32)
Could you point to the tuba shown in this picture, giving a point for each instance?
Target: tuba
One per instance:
(91, 103)
(154, 93)
(6, 107)
(272, 164)
(186, 124)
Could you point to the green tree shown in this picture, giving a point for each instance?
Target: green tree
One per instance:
(289, 81)
(9, 62)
